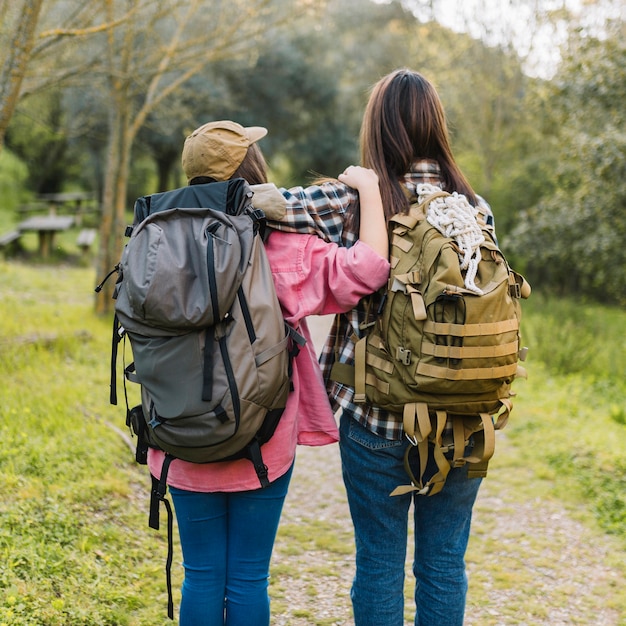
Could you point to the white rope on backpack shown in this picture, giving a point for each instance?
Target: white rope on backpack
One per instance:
(454, 217)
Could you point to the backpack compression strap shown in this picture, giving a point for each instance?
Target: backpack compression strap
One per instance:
(418, 427)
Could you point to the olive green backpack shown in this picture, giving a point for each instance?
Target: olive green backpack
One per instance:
(443, 349)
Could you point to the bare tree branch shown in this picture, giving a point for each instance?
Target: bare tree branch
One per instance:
(14, 68)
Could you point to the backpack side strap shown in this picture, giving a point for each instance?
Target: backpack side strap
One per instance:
(359, 371)
(159, 489)
(485, 442)
(257, 460)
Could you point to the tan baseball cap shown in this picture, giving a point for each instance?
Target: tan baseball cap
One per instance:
(217, 149)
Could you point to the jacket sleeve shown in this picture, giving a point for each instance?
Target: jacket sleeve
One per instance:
(319, 210)
(314, 277)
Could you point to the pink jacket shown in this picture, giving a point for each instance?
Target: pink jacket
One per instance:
(312, 278)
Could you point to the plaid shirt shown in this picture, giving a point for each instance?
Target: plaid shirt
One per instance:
(322, 210)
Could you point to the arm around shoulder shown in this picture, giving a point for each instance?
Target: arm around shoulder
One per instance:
(372, 223)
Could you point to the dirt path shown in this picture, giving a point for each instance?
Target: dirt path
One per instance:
(530, 561)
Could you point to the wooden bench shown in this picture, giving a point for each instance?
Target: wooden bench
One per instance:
(32, 208)
(10, 241)
(85, 239)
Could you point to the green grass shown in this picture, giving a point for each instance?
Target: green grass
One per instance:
(74, 543)
(570, 424)
(574, 418)
(75, 548)
(559, 456)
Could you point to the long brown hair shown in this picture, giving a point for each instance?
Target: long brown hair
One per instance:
(404, 121)
(253, 168)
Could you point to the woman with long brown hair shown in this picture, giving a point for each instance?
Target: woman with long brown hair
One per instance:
(404, 139)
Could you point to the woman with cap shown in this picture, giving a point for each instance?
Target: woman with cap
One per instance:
(404, 139)
(227, 525)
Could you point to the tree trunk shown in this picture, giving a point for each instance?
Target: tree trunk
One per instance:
(107, 258)
(12, 73)
(166, 162)
(129, 109)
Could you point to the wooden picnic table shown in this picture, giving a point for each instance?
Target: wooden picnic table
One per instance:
(56, 200)
(46, 227)
(76, 203)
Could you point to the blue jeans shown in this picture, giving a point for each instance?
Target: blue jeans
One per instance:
(372, 467)
(227, 541)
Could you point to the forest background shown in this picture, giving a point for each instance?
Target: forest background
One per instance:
(99, 96)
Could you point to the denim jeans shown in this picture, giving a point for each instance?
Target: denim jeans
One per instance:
(372, 467)
(227, 541)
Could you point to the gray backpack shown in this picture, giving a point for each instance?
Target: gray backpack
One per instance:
(196, 299)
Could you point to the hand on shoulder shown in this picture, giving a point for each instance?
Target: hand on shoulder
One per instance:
(359, 177)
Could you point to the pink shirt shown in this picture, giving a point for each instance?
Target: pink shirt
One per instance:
(312, 277)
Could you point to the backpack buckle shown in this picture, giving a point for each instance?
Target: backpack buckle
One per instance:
(515, 290)
(403, 355)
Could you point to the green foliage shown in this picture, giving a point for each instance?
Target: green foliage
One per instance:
(13, 173)
(568, 426)
(38, 134)
(549, 156)
(526, 174)
(571, 337)
(143, 178)
(293, 99)
(308, 85)
(606, 482)
(572, 239)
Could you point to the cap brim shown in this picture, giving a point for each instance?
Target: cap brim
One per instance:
(255, 133)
